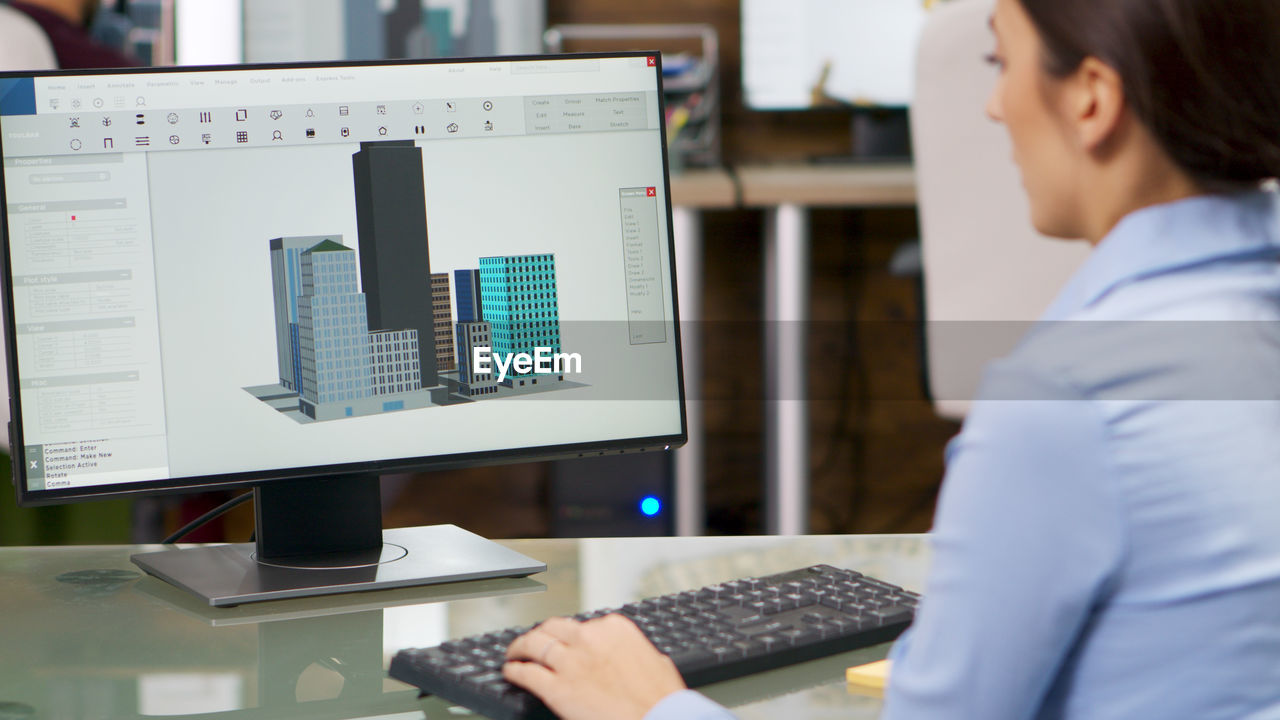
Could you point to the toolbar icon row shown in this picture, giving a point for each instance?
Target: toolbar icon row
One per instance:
(242, 136)
(98, 103)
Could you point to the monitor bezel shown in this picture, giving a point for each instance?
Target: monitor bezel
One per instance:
(203, 483)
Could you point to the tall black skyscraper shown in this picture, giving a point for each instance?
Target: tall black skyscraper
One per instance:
(395, 266)
(405, 17)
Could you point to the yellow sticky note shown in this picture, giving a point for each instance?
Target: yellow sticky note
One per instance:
(868, 679)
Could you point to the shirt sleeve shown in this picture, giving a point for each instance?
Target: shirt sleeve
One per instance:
(687, 705)
(1027, 541)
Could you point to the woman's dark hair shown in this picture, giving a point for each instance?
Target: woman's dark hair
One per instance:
(1202, 75)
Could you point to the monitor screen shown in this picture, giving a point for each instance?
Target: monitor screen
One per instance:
(799, 54)
(220, 276)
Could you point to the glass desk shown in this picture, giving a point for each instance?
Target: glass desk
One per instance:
(85, 635)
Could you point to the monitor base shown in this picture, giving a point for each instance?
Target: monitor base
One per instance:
(229, 575)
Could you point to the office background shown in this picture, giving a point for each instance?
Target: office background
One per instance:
(875, 443)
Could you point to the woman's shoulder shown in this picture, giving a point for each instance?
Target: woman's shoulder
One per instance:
(1208, 333)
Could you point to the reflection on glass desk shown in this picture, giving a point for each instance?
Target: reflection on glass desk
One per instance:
(84, 635)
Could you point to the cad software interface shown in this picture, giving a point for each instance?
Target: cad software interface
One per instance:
(247, 270)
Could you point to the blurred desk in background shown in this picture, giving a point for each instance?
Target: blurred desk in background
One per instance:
(787, 192)
(850, 185)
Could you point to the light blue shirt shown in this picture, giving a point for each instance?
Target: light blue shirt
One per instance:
(1107, 541)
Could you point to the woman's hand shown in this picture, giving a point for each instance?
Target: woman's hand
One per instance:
(604, 668)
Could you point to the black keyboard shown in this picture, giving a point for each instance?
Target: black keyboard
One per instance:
(715, 633)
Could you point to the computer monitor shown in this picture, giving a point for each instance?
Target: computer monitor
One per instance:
(808, 54)
(296, 277)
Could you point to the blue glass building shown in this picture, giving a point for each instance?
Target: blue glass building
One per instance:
(519, 300)
(466, 286)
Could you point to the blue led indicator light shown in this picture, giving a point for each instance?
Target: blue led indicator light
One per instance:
(650, 506)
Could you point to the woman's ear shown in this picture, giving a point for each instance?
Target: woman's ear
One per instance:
(1095, 103)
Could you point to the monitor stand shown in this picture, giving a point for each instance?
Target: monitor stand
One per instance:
(321, 536)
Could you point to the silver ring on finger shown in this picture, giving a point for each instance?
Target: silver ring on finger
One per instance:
(542, 656)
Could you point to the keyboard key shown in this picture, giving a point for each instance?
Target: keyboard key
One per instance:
(484, 678)
(890, 614)
(847, 624)
(799, 636)
(725, 653)
(772, 625)
(880, 584)
(693, 658)
(461, 671)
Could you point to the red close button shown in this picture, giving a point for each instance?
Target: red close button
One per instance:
(653, 61)
(652, 192)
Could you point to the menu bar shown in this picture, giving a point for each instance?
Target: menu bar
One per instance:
(338, 85)
(284, 125)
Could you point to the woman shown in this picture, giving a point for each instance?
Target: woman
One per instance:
(1107, 543)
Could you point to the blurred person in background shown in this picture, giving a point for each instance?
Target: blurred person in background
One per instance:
(67, 23)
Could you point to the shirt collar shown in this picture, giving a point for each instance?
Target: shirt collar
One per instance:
(1173, 236)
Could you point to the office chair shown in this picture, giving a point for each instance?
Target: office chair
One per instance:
(23, 45)
(987, 273)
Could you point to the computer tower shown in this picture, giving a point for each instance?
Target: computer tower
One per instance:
(613, 496)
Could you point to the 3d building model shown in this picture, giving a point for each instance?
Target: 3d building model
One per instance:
(442, 316)
(518, 299)
(286, 280)
(361, 333)
(472, 381)
(395, 265)
(344, 369)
